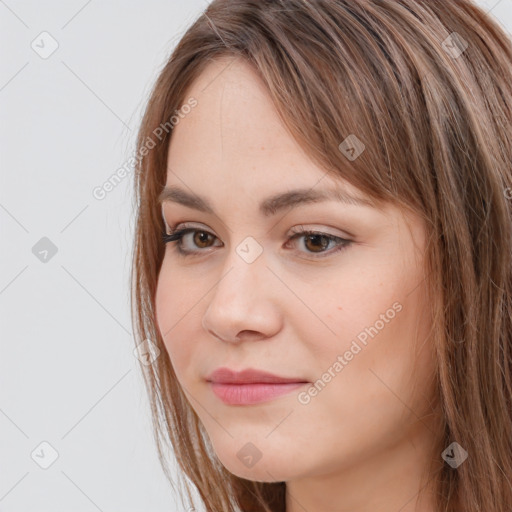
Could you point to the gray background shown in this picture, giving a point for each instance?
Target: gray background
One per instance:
(68, 375)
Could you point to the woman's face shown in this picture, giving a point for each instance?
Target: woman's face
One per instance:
(348, 325)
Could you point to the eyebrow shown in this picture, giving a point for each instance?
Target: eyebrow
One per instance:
(269, 206)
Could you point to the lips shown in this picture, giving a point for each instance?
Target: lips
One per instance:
(249, 376)
(250, 386)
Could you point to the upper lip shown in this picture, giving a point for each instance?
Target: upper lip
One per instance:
(248, 376)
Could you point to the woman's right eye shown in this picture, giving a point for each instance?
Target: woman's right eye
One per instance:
(178, 236)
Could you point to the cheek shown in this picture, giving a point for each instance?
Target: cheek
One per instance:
(372, 396)
(351, 307)
(377, 323)
(176, 320)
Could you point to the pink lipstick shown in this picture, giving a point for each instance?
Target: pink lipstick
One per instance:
(250, 386)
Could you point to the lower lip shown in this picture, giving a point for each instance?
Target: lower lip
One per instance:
(247, 394)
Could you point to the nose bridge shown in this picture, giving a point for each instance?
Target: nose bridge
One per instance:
(245, 268)
(240, 300)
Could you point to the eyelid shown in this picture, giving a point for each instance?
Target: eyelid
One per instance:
(322, 229)
(164, 220)
(297, 229)
(178, 226)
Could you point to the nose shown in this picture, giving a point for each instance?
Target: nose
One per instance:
(243, 302)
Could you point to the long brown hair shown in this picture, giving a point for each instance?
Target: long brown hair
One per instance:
(427, 87)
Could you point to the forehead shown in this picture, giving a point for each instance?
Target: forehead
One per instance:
(234, 134)
(234, 112)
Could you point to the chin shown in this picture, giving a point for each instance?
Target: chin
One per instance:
(256, 462)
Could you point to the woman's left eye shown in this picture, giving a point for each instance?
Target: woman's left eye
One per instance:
(315, 242)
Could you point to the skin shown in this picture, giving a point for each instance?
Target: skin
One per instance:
(362, 443)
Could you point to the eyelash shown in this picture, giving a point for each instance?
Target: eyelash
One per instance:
(177, 236)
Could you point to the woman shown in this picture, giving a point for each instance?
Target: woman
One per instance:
(322, 259)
